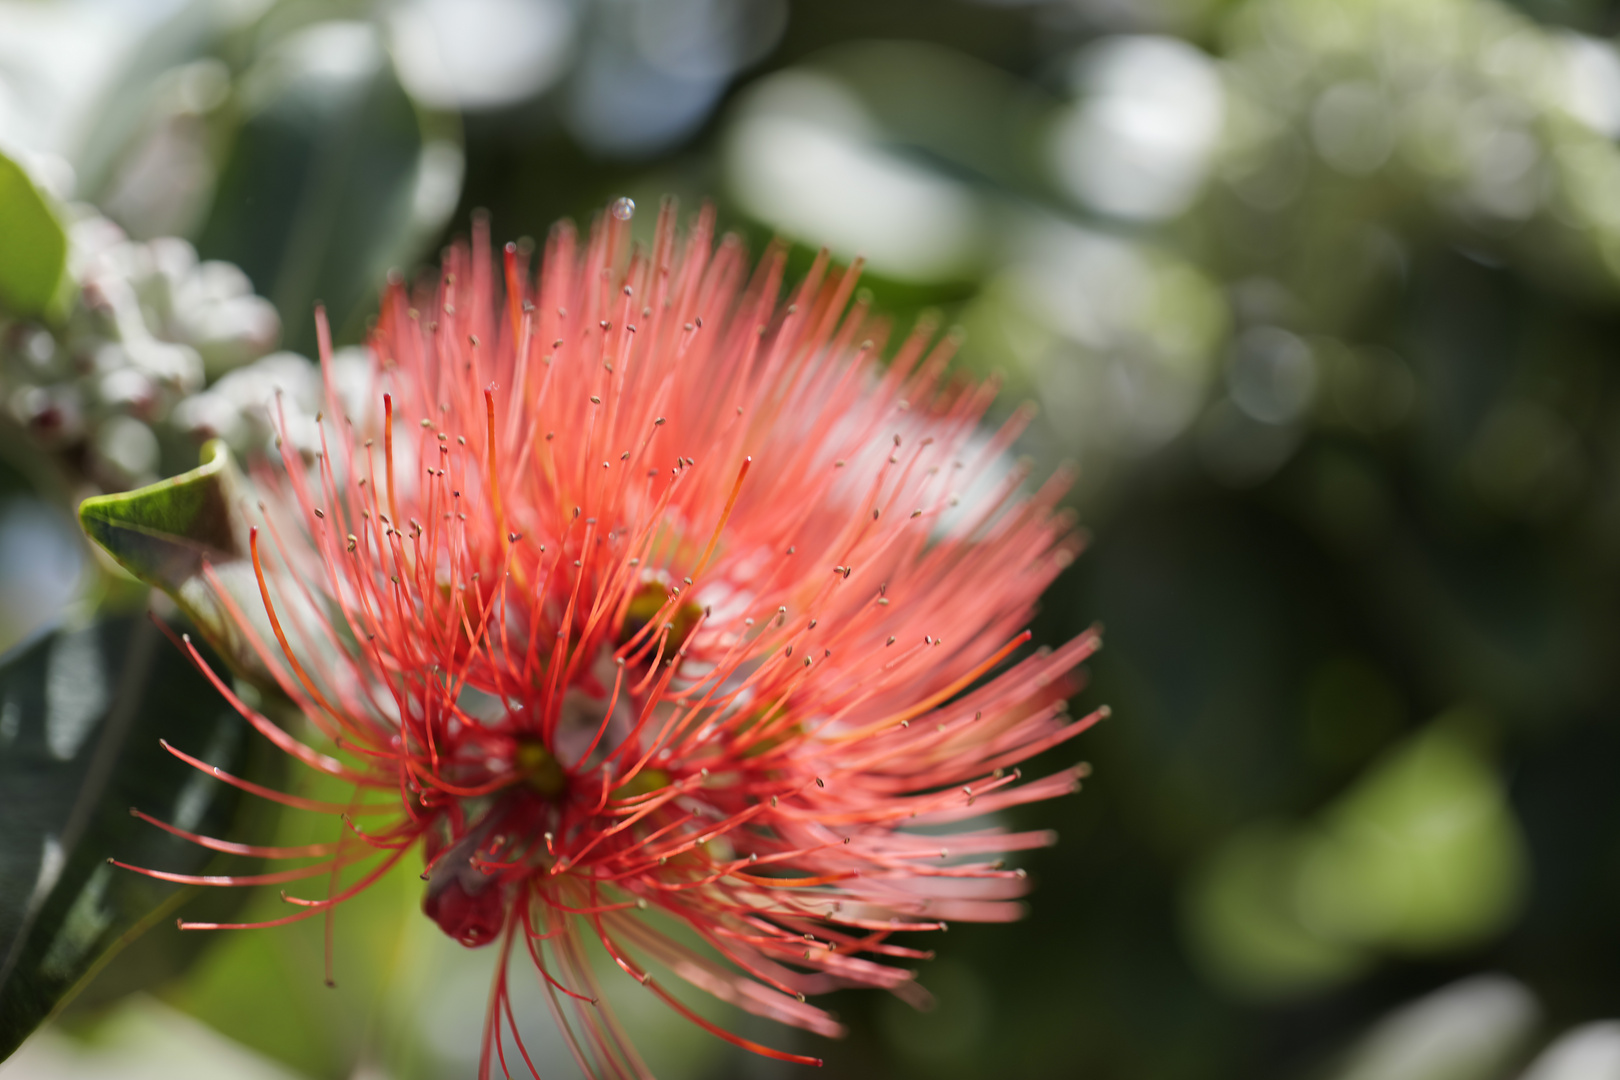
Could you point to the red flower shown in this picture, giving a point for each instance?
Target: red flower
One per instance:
(635, 590)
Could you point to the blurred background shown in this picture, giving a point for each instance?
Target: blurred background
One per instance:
(1323, 296)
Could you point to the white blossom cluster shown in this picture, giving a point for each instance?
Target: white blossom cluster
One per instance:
(157, 353)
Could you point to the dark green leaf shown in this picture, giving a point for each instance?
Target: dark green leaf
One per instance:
(324, 187)
(81, 713)
(33, 247)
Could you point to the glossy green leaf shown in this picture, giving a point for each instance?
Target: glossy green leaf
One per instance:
(33, 247)
(165, 532)
(332, 178)
(81, 713)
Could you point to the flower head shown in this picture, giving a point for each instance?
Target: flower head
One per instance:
(630, 588)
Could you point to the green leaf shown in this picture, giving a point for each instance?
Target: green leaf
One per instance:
(33, 247)
(1423, 855)
(81, 713)
(166, 532)
(1240, 920)
(332, 179)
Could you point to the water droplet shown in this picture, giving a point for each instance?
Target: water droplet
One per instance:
(624, 209)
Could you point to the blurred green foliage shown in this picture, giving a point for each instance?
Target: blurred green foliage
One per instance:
(1321, 294)
(33, 249)
(316, 199)
(1421, 856)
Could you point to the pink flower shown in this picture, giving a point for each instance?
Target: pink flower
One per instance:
(633, 589)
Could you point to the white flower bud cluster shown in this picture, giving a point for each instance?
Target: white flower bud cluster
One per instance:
(158, 352)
